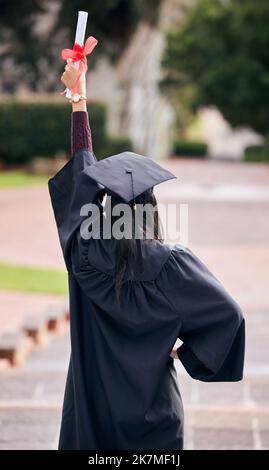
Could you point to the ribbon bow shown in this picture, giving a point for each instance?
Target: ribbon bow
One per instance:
(78, 54)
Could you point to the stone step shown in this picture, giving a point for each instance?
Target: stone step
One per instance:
(248, 392)
(48, 376)
(29, 427)
(53, 358)
(35, 331)
(35, 425)
(35, 327)
(54, 320)
(227, 417)
(20, 384)
(230, 427)
(14, 348)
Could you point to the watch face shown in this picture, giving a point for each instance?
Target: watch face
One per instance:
(76, 97)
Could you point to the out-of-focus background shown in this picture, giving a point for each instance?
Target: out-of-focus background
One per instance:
(185, 82)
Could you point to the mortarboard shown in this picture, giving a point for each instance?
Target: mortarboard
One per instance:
(128, 174)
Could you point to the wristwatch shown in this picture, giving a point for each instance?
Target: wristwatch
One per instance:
(77, 97)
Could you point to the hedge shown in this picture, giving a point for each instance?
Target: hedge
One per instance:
(116, 145)
(257, 153)
(186, 148)
(35, 129)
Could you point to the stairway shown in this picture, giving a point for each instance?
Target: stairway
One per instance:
(217, 415)
(31, 397)
(232, 415)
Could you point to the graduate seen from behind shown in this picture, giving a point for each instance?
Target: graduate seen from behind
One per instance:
(131, 298)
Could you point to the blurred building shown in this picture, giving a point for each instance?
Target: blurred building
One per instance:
(225, 143)
(136, 107)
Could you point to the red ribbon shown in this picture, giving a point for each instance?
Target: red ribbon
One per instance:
(78, 54)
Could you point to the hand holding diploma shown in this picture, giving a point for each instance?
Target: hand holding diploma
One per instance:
(71, 75)
(78, 54)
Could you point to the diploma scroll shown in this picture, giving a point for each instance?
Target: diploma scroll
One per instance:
(79, 39)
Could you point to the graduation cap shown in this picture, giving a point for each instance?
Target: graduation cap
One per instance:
(128, 174)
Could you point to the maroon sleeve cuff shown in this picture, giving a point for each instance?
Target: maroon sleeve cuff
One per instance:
(80, 132)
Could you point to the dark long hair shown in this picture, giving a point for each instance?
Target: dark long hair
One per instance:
(129, 250)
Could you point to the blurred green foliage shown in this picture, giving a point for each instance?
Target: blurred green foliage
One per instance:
(20, 41)
(36, 55)
(219, 55)
(112, 22)
(42, 129)
(186, 148)
(257, 153)
(115, 145)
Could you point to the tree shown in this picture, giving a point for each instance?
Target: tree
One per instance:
(20, 42)
(221, 52)
(36, 57)
(111, 21)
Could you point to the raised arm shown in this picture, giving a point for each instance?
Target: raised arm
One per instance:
(71, 188)
(80, 131)
(80, 127)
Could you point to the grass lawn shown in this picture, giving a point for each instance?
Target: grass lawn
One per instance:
(28, 279)
(18, 178)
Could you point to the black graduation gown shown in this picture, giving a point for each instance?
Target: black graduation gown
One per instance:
(122, 390)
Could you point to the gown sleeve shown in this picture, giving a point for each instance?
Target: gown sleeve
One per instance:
(212, 326)
(81, 137)
(71, 187)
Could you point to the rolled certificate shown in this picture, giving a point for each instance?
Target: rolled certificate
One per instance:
(79, 38)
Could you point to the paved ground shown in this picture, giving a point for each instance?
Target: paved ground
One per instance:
(228, 204)
(229, 228)
(28, 235)
(217, 416)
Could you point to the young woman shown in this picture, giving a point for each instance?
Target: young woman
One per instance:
(130, 299)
